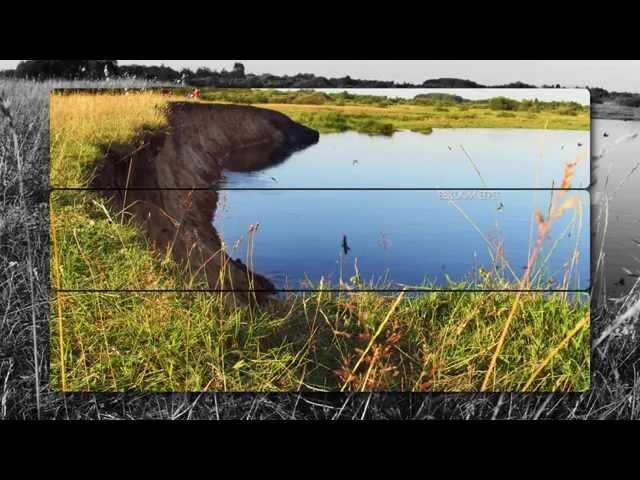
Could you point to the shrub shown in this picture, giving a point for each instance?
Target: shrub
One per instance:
(568, 111)
(503, 103)
(526, 105)
(311, 98)
(375, 127)
(336, 121)
(438, 99)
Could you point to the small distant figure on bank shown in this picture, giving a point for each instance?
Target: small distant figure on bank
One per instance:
(195, 94)
(345, 246)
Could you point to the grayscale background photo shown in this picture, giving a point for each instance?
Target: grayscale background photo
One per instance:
(25, 252)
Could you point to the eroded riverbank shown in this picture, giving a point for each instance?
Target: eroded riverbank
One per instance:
(166, 182)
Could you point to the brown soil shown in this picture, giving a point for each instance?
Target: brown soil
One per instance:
(201, 141)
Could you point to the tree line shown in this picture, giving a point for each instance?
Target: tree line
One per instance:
(237, 77)
(205, 77)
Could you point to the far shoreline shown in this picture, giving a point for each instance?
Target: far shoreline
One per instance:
(612, 111)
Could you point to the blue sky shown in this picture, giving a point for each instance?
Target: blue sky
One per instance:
(610, 74)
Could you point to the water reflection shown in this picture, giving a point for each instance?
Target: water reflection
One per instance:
(447, 158)
(406, 237)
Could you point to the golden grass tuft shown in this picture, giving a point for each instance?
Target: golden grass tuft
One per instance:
(82, 124)
(558, 205)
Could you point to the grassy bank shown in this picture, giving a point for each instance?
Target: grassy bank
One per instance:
(380, 115)
(316, 342)
(87, 125)
(375, 114)
(444, 341)
(386, 120)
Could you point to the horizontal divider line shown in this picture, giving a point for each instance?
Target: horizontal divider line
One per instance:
(407, 290)
(434, 189)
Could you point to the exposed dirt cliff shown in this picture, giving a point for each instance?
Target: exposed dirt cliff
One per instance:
(168, 182)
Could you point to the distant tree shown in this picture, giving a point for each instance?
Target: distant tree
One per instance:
(503, 103)
(441, 98)
(311, 98)
(598, 95)
(515, 85)
(65, 69)
(450, 83)
(203, 72)
(238, 69)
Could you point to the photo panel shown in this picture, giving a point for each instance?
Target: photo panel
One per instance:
(330, 342)
(306, 240)
(283, 240)
(288, 138)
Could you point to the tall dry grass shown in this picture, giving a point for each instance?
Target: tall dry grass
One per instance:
(72, 161)
(561, 201)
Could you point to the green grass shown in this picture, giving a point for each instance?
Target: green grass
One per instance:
(383, 115)
(102, 249)
(432, 342)
(332, 118)
(332, 122)
(351, 340)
